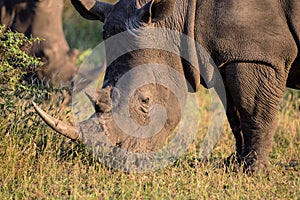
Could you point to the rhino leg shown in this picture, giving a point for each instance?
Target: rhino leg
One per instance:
(256, 91)
(234, 121)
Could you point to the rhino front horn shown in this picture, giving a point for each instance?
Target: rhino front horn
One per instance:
(57, 125)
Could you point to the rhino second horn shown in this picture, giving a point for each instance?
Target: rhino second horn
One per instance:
(57, 125)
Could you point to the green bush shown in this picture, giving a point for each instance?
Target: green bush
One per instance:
(17, 90)
(14, 61)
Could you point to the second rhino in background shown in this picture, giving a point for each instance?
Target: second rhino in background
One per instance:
(43, 19)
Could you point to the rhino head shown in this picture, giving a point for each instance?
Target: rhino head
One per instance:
(144, 92)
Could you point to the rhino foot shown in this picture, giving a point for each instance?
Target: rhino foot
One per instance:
(249, 164)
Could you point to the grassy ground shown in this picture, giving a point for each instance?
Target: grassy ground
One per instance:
(36, 163)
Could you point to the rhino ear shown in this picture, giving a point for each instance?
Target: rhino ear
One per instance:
(92, 9)
(156, 10)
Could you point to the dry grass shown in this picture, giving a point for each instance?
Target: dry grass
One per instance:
(37, 163)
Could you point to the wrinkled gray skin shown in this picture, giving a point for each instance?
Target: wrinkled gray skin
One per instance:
(43, 19)
(253, 43)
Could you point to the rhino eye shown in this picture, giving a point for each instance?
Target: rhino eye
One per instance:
(145, 100)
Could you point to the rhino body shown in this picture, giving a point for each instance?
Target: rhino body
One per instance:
(43, 19)
(254, 45)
